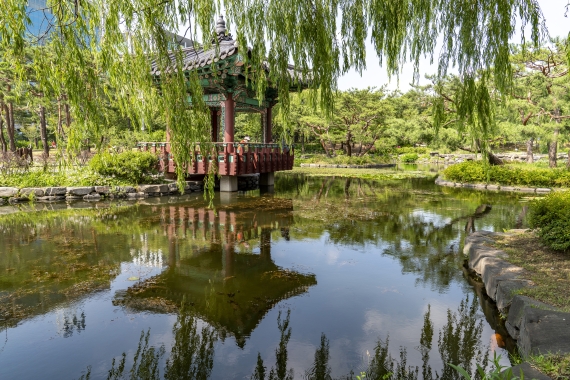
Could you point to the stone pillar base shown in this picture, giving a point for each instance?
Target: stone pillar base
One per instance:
(228, 183)
(267, 179)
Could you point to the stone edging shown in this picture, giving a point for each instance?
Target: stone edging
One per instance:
(481, 186)
(537, 327)
(366, 166)
(14, 195)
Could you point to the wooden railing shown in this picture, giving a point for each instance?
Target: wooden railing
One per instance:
(231, 158)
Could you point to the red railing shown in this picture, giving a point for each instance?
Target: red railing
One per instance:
(232, 158)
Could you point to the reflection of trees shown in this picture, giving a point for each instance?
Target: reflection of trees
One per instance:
(459, 344)
(191, 356)
(419, 224)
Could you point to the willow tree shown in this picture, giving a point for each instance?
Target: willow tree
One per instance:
(323, 38)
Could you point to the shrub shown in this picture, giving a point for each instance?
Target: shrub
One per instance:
(474, 171)
(410, 157)
(551, 217)
(131, 166)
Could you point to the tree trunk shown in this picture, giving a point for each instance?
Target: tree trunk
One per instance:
(67, 116)
(3, 145)
(43, 130)
(553, 149)
(568, 161)
(11, 137)
(60, 132)
(302, 143)
(348, 145)
(324, 145)
(529, 155)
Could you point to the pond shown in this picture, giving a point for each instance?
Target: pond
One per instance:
(323, 276)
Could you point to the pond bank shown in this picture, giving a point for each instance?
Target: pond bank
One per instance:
(14, 195)
(538, 327)
(481, 186)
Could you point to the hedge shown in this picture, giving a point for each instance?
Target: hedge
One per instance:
(551, 217)
(475, 172)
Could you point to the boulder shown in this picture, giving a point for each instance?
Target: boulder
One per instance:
(153, 189)
(544, 331)
(525, 369)
(79, 191)
(507, 188)
(28, 191)
(92, 197)
(103, 189)
(517, 311)
(54, 191)
(51, 198)
(492, 187)
(125, 189)
(73, 197)
(542, 190)
(7, 192)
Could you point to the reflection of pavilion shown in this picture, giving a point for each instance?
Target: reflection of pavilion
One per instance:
(231, 291)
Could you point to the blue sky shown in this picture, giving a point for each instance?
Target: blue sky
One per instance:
(375, 76)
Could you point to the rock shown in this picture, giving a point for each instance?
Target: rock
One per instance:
(517, 312)
(2, 201)
(495, 271)
(51, 191)
(73, 197)
(173, 187)
(92, 197)
(125, 189)
(492, 187)
(542, 190)
(153, 189)
(103, 189)
(507, 188)
(15, 200)
(7, 192)
(51, 198)
(80, 191)
(544, 331)
(506, 291)
(527, 371)
(525, 190)
(480, 186)
(27, 191)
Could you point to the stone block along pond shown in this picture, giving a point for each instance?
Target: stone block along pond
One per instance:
(321, 278)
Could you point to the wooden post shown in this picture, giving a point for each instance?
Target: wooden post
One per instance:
(267, 132)
(214, 119)
(229, 120)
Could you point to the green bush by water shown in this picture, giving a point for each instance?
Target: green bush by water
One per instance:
(475, 172)
(551, 217)
(409, 158)
(134, 167)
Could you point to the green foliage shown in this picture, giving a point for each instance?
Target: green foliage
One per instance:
(134, 167)
(409, 158)
(497, 373)
(551, 217)
(475, 172)
(80, 177)
(411, 149)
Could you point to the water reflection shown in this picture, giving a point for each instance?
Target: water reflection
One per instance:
(217, 271)
(382, 251)
(191, 357)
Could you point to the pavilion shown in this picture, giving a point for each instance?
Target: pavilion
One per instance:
(227, 91)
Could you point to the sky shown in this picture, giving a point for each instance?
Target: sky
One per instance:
(375, 76)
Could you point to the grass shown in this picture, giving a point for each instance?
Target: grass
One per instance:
(373, 174)
(67, 178)
(547, 268)
(340, 160)
(554, 366)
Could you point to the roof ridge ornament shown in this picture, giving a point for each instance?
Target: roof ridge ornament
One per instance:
(221, 31)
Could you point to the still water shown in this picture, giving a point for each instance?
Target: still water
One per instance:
(323, 278)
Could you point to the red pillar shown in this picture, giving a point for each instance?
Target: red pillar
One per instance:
(229, 120)
(267, 132)
(214, 119)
